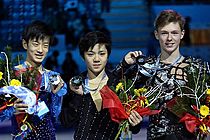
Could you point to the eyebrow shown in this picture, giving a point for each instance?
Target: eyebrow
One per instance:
(99, 50)
(47, 42)
(169, 31)
(89, 51)
(102, 51)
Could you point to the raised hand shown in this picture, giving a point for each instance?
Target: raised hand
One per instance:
(130, 57)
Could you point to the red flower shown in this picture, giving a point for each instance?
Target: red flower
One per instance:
(117, 111)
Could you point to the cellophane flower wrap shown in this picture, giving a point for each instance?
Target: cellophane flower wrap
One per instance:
(123, 99)
(23, 84)
(193, 105)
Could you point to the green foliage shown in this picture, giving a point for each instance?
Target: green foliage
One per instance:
(180, 105)
(194, 92)
(28, 77)
(127, 91)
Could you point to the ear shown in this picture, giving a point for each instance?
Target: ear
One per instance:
(156, 34)
(24, 44)
(182, 33)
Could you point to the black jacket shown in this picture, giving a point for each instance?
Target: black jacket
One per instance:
(91, 124)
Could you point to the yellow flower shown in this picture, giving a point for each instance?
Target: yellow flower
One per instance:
(136, 92)
(142, 103)
(208, 91)
(203, 128)
(146, 102)
(204, 110)
(15, 82)
(1, 74)
(119, 86)
(142, 90)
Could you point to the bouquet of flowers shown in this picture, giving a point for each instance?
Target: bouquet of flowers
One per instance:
(124, 98)
(22, 84)
(193, 105)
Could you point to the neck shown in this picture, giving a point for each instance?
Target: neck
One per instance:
(169, 58)
(92, 75)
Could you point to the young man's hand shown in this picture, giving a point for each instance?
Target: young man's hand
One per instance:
(76, 89)
(130, 57)
(56, 88)
(134, 118)
(20, 107)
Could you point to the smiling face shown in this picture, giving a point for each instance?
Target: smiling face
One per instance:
(36, 50)
(169, 37)
(96, 59)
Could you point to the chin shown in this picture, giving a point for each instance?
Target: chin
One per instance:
(38, 61)
(170, 50)
(97, 71)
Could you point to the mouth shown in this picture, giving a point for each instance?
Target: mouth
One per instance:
(39, 56)
(169, 44)
(96, 65)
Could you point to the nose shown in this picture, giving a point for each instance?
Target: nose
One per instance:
(96, 58)
(40, 48)
(169, 36)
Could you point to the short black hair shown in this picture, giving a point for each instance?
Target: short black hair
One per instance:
(38, 30)
(91, 39)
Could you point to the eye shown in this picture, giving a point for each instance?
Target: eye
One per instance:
(102, 53)
(46, 45)
(175, 32)
(164, 33)
(35, 44)
(90, 54)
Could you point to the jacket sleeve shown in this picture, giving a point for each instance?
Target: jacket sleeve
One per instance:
(70, 110)
(121, 68)
(135, 129)
(6, 114)
(57, 101)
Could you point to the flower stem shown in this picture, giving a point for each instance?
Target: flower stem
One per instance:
(8, 74)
